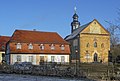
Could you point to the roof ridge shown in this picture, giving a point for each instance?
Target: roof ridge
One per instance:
(35, 31)
(5, 36)
(77, 31)
(37, 36)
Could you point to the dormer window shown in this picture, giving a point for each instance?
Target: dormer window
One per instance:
(18, 45)
(30, 46)
(62, 47)
(42, 47)
(52, 47)
(3, 47)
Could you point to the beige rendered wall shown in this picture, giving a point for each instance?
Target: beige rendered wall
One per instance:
(101, 51)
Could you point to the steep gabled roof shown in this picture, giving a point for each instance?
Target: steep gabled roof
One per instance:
(3, 41)
(80, 29)
(25, 36)
(76, 32)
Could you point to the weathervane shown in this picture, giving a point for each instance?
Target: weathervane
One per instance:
(75, 9)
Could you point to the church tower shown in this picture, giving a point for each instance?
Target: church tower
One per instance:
(75, 23)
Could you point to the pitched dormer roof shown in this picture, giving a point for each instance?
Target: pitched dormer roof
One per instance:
(80, 29)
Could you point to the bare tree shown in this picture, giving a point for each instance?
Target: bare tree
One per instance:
(114, 34)
(114, 29)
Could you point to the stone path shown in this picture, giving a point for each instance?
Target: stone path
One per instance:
(17, 77)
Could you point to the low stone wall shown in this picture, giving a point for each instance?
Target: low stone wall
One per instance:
(45, 70)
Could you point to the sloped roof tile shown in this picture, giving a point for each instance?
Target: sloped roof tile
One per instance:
(3, 41)
(37, 37)
(76, 32)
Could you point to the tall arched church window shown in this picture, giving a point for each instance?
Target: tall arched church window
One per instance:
(102, 45)
(95, 44)
(87, 45)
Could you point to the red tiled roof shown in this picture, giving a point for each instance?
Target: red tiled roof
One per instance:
(37, 37)
(26, 37)
(3, 41)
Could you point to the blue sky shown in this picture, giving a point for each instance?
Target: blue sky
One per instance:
(53, 15)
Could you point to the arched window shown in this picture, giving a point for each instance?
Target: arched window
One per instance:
(18, 46)
(95, 44)
(95, 57)
(87, 45)
(30, 46)
(62, 47)
(102, 45)
(42, 46)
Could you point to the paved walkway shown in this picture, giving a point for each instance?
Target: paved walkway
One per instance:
(17, 77)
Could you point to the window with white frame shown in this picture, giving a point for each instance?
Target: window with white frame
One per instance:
(30, 46)
(18, 46)
(52, 58)
(30, 58)
(62, 58)
(18, 58)
(52, 47)
(62, 47)
(42, 47)
(42, 58)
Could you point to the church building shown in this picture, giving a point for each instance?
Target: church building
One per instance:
(88, 43)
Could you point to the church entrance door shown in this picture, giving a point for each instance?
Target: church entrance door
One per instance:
(95, 57)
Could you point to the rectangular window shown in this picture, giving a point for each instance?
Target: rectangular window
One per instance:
(53, 58)
(62, 59)
(75, 42)
(41, 58)
(30, 58)
(18, 58)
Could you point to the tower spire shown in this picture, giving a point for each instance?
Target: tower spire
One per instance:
(75, 23)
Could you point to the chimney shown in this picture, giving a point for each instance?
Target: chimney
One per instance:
(34, 29)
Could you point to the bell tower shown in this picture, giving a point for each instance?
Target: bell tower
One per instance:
(75, 23)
